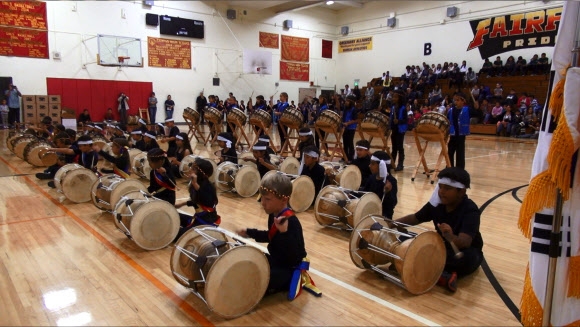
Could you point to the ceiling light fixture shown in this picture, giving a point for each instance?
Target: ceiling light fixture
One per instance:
(329, 2)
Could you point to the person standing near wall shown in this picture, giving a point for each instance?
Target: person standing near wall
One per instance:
(458, 130)
(201, 103)
(123, 107)
(169, 105)
(13, 96)
(152, 107)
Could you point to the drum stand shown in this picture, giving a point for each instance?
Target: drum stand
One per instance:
(258, 129)
(337, 144)
(216, 129)
(383, 135)
(238, 129)
(291, 134)
(195, 131)
(422, 149)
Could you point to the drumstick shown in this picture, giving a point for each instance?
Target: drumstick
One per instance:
(458, 254)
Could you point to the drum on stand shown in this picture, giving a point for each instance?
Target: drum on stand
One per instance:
(348, 177)
(247, 155)
(191, 114)
(75, 182)
(302, 191)
(140, 165)
(32, 152)
(375, 121)
(261, 118)
(229, 276)
(151, 223)
(108, 189)
(188, 162)
(336, 206)
(418, 260)
(20, 143)
(290, 165)
(213, 115)
(292, 118)
(244, 180)
(236, 117)
(433, 123)
(328, 121)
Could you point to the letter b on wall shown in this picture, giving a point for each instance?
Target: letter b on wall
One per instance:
(427, 49)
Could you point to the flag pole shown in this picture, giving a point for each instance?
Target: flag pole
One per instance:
(555, 235)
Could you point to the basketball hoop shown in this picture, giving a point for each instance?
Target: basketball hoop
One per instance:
(123, 61)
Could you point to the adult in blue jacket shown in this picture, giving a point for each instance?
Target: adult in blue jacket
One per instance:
(398, 128)
(459, 127)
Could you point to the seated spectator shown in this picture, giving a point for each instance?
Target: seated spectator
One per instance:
(475, 114)
(471, 78)
(512, 98)
(517, 125)
(532, 132)
(484, 93)
(438, 71)
(505, 124)
(497, 66)
(543, 64)
(498, 92)
(463, 67)
(533, 65)
(436, 92)
(510, 66)
(486, 68)
(84, 117)
(496, 113)
(475, 91)
(485, 111)
(524, 102)
(521, 66)
(535, 105)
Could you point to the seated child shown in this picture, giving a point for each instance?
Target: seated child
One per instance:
(121, 158)
(362, 160)
(311, 168)
(137, 140)
(150, 139)
(382, 183)
(227, 142)
(161, 180)
(306, 138)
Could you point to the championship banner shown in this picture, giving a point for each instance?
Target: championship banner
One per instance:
(295, 48)
(23, 14)
(327, 49)
(501, 34)
(294, 71)
(20, 42)
(269, 40)
(360, 44)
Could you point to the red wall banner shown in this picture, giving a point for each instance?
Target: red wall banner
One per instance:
(23, 14)
(294, 71)
(23, 31)
(269, 40)
(295, 48)
(169, 53)
(327, 49)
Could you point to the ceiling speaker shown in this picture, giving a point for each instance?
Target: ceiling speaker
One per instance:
(344, 30)
(391, 22)
(151, 19)
(452, 11)
(231, 14)
(288, 23)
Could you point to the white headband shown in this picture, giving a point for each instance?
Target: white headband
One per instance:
(138, 132)
(305, 134)
(160, 125)
(223, 139)
(264, 140)
(179, 137)
(142, 121)
(150, 135)
(97, 127)
(85, 142)
(361, 147)
(383, 171)
(168, 120)
(435, 200)
(311, 154)
(259, 148)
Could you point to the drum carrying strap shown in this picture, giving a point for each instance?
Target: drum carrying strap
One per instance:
(302, 280)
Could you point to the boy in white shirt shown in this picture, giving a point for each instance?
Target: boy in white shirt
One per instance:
(4, 112)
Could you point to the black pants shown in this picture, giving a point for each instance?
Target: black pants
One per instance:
(317, 140)
(281, 131)
(457, 145)
(397, 140)
(469, 263)
(201, 118)
(123, 115)
(348, 143)
(13, 115)
(280, 278)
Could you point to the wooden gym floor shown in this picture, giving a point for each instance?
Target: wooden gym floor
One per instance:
(66, 264)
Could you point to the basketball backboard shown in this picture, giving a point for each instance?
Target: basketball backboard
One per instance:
(119, 51)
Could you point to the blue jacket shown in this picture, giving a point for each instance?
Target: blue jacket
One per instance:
(402, 119)
(463, 122)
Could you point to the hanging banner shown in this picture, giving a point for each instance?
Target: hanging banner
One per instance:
(169, 53)
(327, 49)
(20, 42)
(294, 71)
(269, 40)
(359, 44)
(23, 14)
(501, 34)
(295, 48)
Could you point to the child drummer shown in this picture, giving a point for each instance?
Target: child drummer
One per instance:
(284, 237)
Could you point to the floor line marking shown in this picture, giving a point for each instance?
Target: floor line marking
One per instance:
(30, 220)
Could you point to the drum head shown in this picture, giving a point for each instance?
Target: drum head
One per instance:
(63, 171)
(290, 166)
(76, 184)
(302, 194)
(32, 150)
(237, 281)
(226, 174)
(21, 143)
(423, 263)
(350, 177)
(133, 152)
(162, 145)
(247, 181)
(48, 158)
(246, 155)
(10, 140)
(140, 163)
(124, 187)
(382, 239)
(186, 164)
(99, 140)
(154, 225)
(369, 204)
(325, 205)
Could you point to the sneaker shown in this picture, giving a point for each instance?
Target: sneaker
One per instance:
(51, 184)
(44, 176)
(399, 168)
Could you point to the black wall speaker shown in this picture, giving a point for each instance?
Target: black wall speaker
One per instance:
(451, 11)
(344, 30)
(288, 23)
(152, 19)
(231, 14)
(391, 22)
(216, 81)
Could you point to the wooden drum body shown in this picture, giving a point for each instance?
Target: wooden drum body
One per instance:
(261, 118)
(292, 118)
(375, 121)
(213, 115)
(151, 223)
(20, 143)
(230, 277)
(236, 117)
(418, 260)
(348, 177)
(244, 180)
(187, 164)
(108, 189)
(302, 191)
(328, 121)
(75, 182)
(191, 114)
(433, 124)
(338, 205)
(32, 151)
